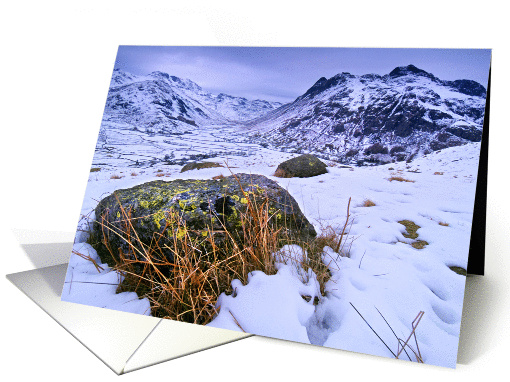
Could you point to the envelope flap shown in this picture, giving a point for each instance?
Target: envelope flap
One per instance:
(173, 339)
(111, 335)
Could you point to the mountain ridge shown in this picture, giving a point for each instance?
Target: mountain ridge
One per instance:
(160, 103)
(405, 112)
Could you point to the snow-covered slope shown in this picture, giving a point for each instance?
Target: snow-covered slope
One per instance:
(383, 271)
(240, 108)
(404, 112)
(161, 103)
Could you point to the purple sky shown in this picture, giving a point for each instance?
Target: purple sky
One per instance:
(282, 74)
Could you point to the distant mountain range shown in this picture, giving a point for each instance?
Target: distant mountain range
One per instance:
(160, 103)
(369, 118)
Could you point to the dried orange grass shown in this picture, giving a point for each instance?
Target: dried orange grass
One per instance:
(184, 276)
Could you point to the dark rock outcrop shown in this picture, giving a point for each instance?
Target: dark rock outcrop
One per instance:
(202, 206)
(303, 166)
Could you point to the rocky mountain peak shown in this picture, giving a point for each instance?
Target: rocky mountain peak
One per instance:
(401, 71)
(182, 83)
(324, 84)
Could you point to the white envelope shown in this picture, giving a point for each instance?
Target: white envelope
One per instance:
(123, 341)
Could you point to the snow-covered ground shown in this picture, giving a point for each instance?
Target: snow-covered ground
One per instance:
(383, 272)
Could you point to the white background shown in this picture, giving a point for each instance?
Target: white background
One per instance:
(56, 62)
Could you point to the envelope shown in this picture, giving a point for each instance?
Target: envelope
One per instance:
(123, 341)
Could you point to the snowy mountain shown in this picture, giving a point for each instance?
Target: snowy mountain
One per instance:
(160, 103)
(379, 119)
(241, 109)
(352, 119)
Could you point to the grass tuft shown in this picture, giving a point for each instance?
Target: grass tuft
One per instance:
(115, 176)
(204, 266)
(186, 288)
(281, 173)
(419, 244)
(400, 179)
(368, 203)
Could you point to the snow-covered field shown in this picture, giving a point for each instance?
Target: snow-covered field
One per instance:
(383, 273)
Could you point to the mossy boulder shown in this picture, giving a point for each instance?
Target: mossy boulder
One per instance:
(199, 165)
(303, 166)
(201, 205)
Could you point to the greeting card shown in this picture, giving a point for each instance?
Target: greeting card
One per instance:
(320, 195)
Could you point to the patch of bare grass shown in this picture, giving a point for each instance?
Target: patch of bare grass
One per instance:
(411, 229)
(368, 203)
(281, 173)
(419, 244)
(334, 239)
(115, 176)
(400, 179)
(412, 233)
